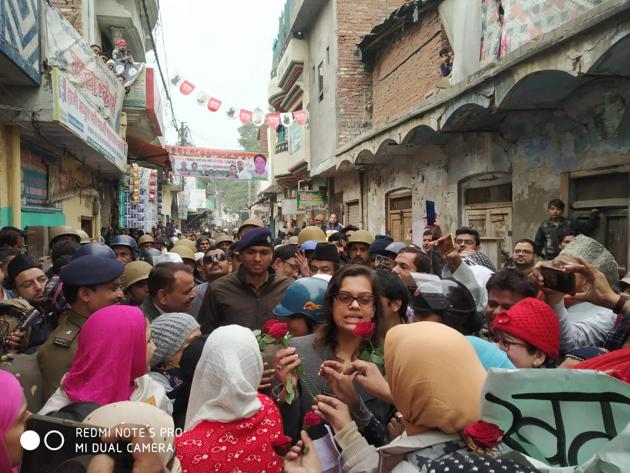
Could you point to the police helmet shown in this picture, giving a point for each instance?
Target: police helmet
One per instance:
(303, 297)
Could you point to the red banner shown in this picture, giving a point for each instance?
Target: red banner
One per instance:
(214, 104)
(186, 88)
(245, 116)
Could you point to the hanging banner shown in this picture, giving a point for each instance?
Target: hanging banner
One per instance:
(301, 117)
(245, 116)
(273, 120)
(217, 163)
(186, 88)
(202, 98)
(286, 119)
(311, 200)
(75, 113)
(560, 417)
(258, 117)
(69, 52)
(214, 104)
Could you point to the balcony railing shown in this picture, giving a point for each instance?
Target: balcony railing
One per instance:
(282, 147)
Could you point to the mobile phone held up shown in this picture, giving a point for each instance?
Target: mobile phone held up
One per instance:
(431, 215)
(59, 446)
(558, 280)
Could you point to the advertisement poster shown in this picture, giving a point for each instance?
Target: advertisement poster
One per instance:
(34, 180)
(219, 164)
(311, 200)
(73, 111)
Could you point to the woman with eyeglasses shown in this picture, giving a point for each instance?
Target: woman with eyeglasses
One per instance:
(529, 332)
(353, 297)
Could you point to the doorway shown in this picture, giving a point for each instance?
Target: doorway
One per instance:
(399, 215)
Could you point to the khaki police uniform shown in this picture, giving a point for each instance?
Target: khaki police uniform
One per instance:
(55, 355)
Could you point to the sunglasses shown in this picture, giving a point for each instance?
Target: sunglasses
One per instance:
(214, 258)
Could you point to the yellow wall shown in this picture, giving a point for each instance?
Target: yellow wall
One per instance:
(167, 200)
(5, 150)
(77, 207)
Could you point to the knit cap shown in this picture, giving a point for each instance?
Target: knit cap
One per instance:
(596, 254)
(533, 321)
(169, 332)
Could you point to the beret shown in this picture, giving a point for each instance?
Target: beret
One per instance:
(90, 270)
(255, 237)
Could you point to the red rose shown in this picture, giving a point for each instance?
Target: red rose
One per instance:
(279, 330)
(281, 444)
(267, 325)
(364, 329)
(311, 419)
(484, 434)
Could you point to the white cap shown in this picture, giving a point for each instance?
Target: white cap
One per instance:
(198, 255)
(167, 258)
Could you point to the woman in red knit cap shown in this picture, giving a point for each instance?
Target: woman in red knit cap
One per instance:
(529, 332)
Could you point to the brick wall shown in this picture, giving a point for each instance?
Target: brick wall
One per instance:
(407, 68)
(355, 20)
(71, 10)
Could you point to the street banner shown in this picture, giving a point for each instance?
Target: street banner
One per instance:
(311, 200)
(217, 163)
(561, 417)
(71, 109)
(69, 52)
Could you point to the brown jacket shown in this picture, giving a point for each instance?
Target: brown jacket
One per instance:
(232, 300)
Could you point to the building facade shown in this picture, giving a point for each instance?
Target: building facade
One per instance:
(536, 107)
(68, 127)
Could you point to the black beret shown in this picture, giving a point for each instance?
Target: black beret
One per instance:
(255, 237)
(17, 265)
(90, 270)
(326, 252)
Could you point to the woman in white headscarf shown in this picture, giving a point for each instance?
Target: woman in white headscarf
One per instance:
(229, 424)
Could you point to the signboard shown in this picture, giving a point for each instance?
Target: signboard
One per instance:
(72, 110)
(560, 417)
(144, 94)
(289, 206)
(219, 164)
(34, 179)
(311, 200)
(295, 138)
(69, 52)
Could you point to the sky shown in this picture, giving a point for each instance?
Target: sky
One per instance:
(224, 49)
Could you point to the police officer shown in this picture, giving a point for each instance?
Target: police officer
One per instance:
(146, 241)
(125, 247)
(89, 284)
(135, 281)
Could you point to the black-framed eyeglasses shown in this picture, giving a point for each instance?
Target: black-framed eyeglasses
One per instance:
(220, 258)
(364, 299)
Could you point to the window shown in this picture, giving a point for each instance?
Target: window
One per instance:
(320, 76)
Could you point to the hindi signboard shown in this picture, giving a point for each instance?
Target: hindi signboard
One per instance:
(71, 109)
(217, 163)
(311, 200)
(68, 51)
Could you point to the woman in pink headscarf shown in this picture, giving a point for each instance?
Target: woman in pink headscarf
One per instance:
(13, 415)
(111, 363)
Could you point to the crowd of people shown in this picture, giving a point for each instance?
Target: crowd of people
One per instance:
(322, 348)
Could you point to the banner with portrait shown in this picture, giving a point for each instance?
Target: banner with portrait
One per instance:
(218, 164)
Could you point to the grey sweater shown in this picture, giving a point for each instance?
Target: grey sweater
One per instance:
(369, 410)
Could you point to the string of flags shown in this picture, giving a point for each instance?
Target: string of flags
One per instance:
(256, 116)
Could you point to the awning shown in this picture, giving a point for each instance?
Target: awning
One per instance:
(142, 151)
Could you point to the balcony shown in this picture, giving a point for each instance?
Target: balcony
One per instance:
(19, 43)
(275, 94)
(144, 109)
(523, 22)
(290, 151)
(126, 19)
(291, 63)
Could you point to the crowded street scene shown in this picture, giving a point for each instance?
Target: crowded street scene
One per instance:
(310, 236)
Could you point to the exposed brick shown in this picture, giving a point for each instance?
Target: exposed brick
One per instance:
(71, 10)
(407, 68)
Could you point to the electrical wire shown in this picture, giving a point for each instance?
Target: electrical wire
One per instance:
(157, 60)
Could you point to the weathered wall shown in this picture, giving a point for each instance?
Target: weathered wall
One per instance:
(5, 149)
(354, 21)
(535, 148)
(72, 11)
(407, 68)
(322, 121)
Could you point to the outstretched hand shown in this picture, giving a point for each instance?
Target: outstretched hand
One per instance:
(302, 458)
